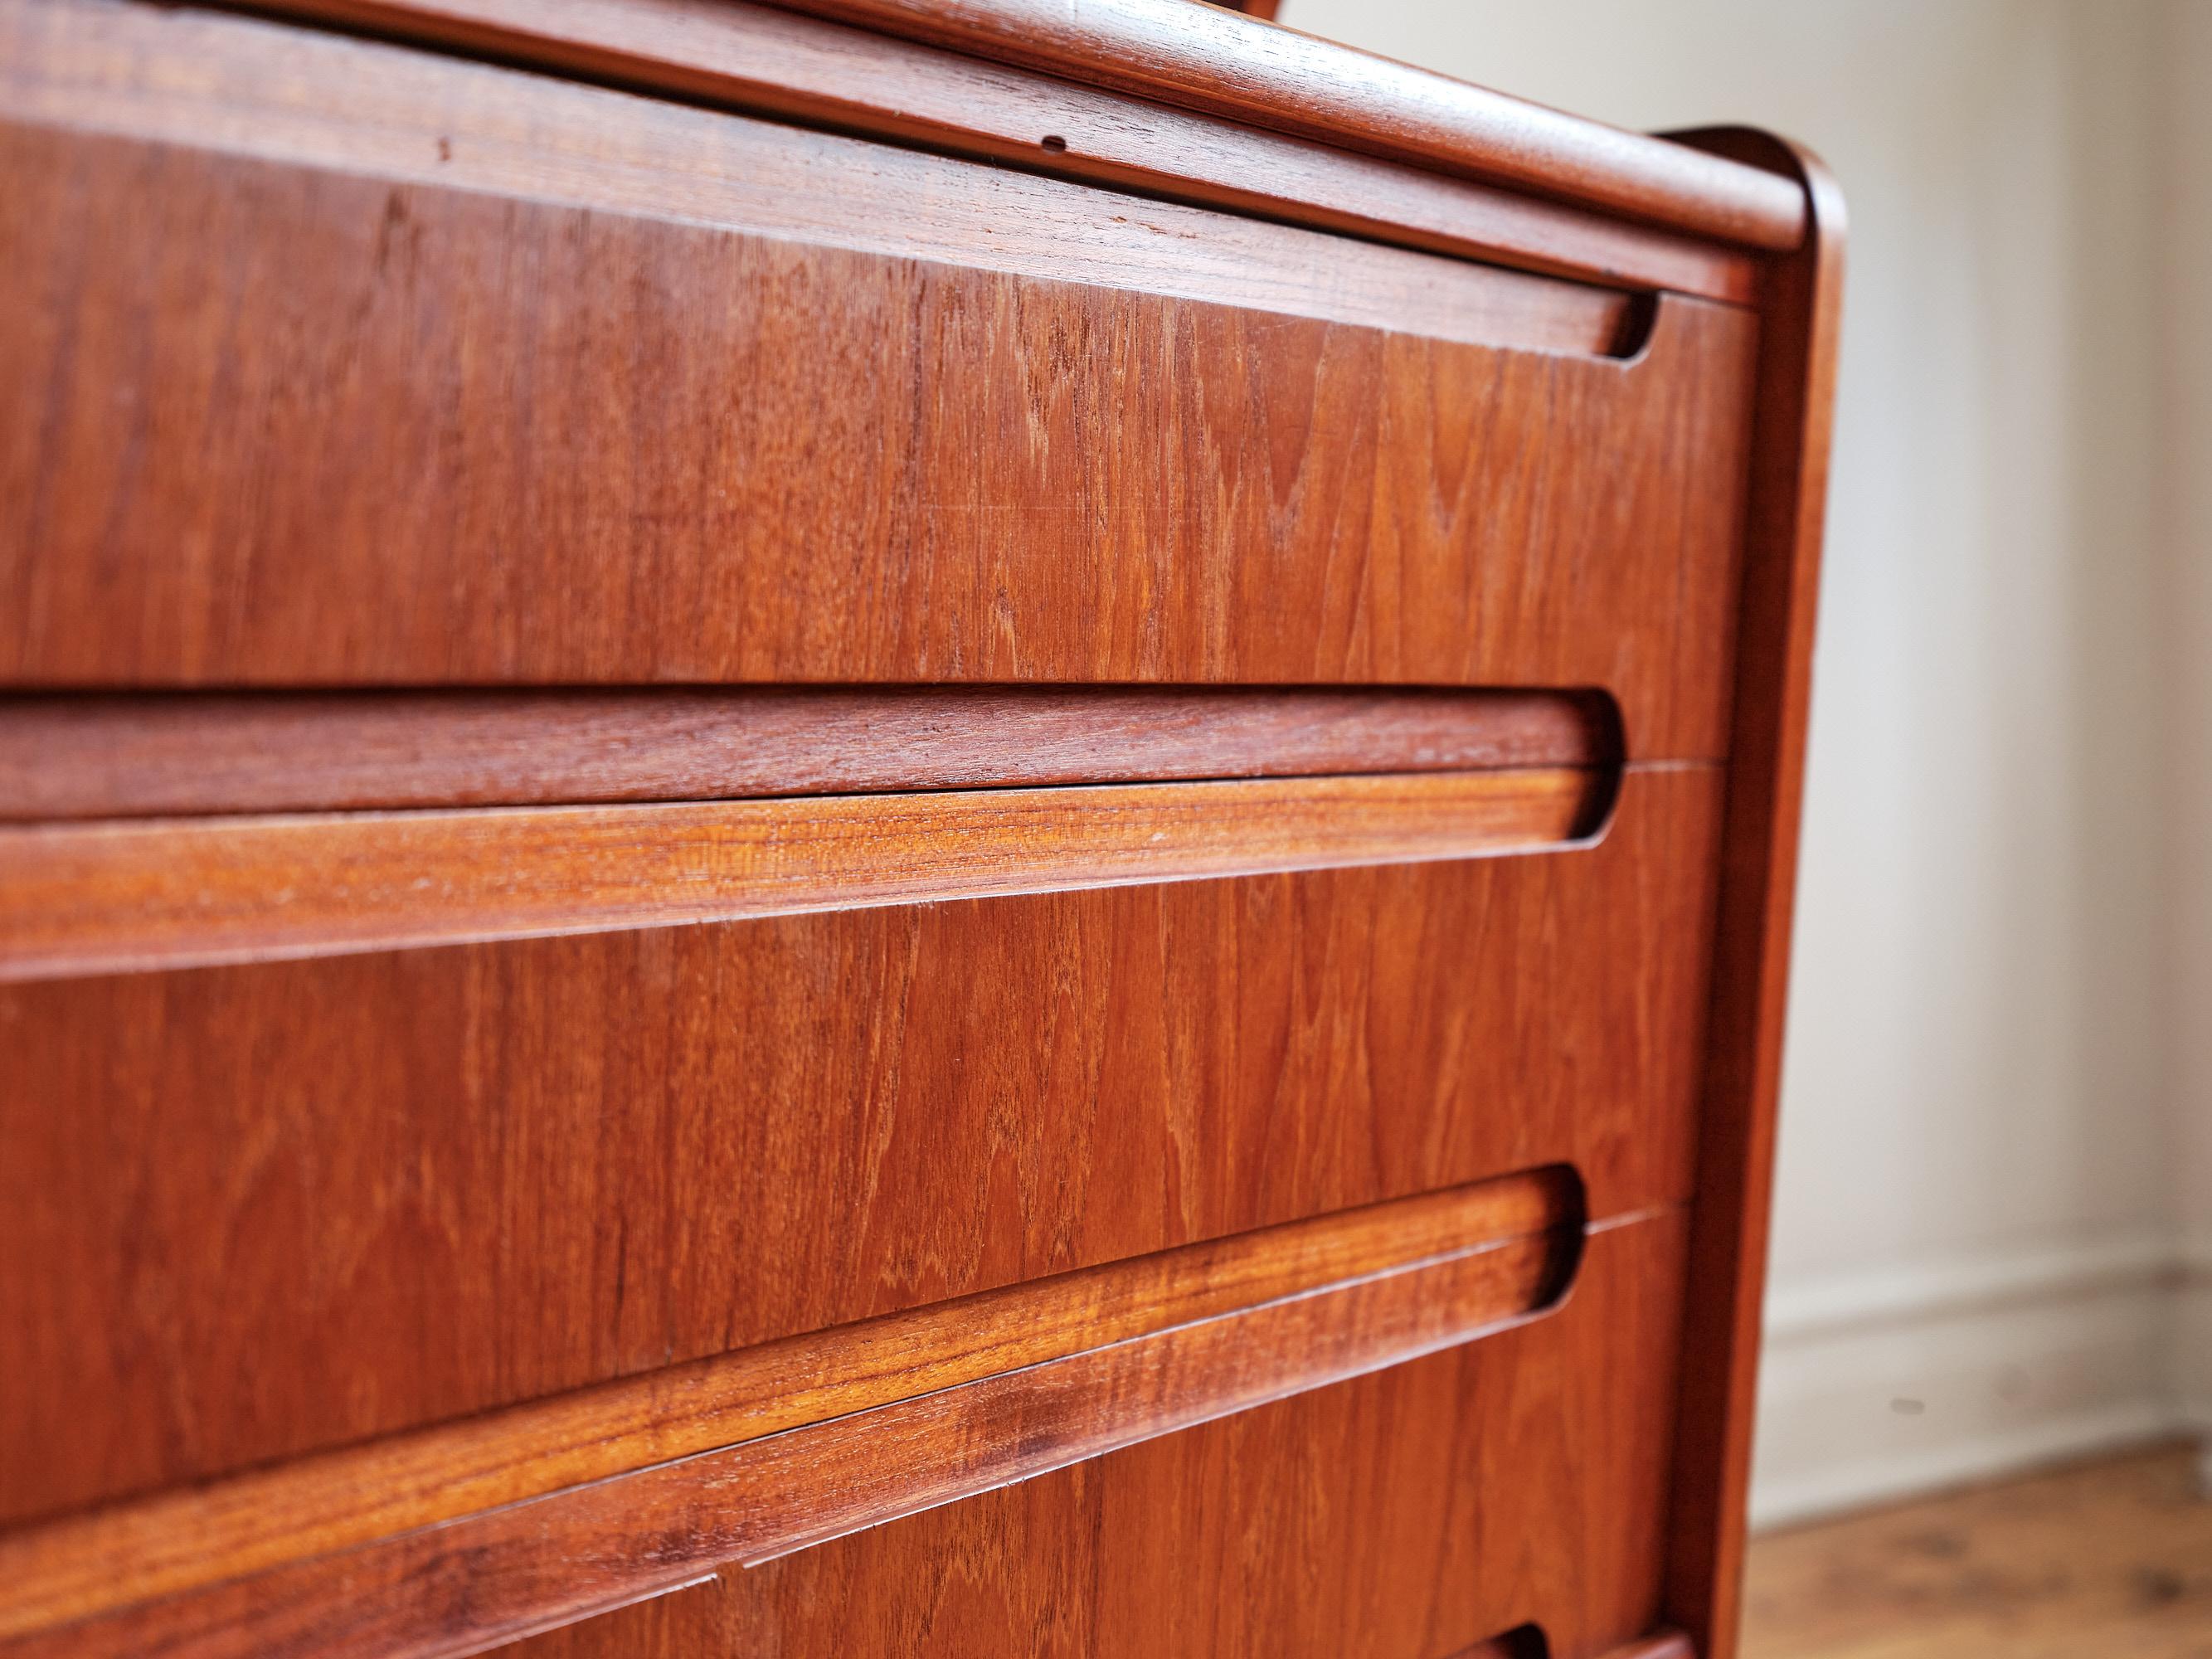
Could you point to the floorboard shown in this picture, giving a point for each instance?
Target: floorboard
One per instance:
(2113, 1557)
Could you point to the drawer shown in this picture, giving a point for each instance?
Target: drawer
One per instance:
(784, 872)
(1515, 1482)
(478, 378)
(1391, 1430)
(235, 1186)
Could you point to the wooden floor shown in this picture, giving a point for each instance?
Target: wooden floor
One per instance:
(2109, 1558)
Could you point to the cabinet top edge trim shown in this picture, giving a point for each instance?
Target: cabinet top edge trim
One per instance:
(1426, 158)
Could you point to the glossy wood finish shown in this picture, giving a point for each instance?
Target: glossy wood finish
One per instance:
(1239, 67)
(1279, 78)
(1774, 676)
(769, 60)
(631, 1150)
(136, 757)
(112, 897)
(1265, 497)
(1526, 1228)
(591, 1503)
(460, 126)
(1419, 1511)
(495, 396)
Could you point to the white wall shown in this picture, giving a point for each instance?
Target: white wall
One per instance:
(1977, 1238)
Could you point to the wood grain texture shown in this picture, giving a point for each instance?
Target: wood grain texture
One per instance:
(1252, 72)
(775, 62)
(352, 385)
(2105, 1558)
(227, 1187)
(617, 467)
(119, 896)
(583, 1505)
(134, 756)
(1758, 865)
(256, 89)
(1277, 77)
(1418, 1510)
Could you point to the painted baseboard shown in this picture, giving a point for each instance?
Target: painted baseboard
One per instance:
(1791, 1497)
(1883, 1386)
(2192, 1353)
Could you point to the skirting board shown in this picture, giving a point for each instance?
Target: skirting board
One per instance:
(1884, 1386)
(2191, 1355)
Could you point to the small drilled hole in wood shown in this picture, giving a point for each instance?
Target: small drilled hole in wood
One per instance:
(1053, 142)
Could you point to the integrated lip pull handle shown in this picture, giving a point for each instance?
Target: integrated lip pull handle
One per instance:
(336, 825)
(191, 754)
(1530, 1642)
(447, 1538)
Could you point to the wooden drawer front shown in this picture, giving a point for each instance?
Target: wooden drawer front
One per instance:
(1412, 1513)
(764, 890)
(265, 1209)
(437, 1543)
(487, 378)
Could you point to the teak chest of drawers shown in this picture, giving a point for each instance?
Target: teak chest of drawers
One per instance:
(893, 827)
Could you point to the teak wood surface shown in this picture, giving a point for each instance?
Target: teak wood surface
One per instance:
(770, 61)
(806, 1439)
(1420, 1510)
(990, 566)
(142, 756)
(1022, 476)
(163, 892)
(1213, 62)
(902, 1105)
(1774, 689)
